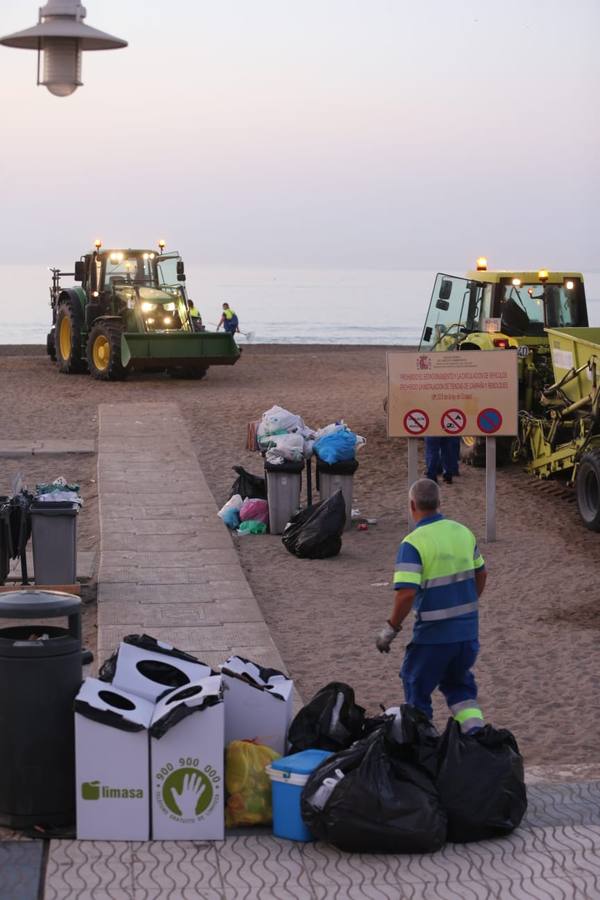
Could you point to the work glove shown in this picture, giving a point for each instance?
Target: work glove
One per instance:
(385, 637)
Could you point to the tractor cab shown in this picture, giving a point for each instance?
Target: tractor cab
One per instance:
(501, 310)
(145, 288)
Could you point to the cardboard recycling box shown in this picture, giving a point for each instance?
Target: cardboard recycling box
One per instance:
(187, 763)
(258, 703)
(148, 668)
(111, 763)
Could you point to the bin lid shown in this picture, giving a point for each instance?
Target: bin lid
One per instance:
(38, 604)
(302, 763)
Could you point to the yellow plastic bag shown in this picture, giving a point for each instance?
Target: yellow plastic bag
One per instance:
(247, 784)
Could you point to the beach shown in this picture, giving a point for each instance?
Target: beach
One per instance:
(540, 623)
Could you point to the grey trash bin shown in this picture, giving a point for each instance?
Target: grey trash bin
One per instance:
(284, 483)
(54, 539)
(40, 674)
(332, 477)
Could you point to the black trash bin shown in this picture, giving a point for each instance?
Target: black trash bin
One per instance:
(40, 674)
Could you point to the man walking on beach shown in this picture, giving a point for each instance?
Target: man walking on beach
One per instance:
(228, 320)
(438, 569)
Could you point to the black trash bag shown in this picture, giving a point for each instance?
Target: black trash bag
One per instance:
(481, 783)
(375, 798)
(330, 721)
(248, 485)
(316, 532)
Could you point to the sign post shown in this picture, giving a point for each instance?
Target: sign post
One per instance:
(450, 394)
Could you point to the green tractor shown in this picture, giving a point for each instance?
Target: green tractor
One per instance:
(503, 310)
(131, 313)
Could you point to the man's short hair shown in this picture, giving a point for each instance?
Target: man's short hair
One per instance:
(425, 494)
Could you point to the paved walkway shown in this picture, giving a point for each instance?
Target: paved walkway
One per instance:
(168, 566)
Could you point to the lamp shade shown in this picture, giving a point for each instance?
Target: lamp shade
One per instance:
(61, 36)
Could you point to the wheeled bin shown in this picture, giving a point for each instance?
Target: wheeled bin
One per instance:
(332, 477)
(284, 483)
(54, 539)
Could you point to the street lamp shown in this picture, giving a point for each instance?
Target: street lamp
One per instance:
(59, 37)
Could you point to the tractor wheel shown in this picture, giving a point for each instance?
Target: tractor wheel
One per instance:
(51, 346)
(587, 487)
(187, 372)
(67, 338)
(472, 451)
(104, 352)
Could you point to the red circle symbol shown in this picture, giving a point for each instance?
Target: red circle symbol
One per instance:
(489, 420)
(416, 421)
(453, 421)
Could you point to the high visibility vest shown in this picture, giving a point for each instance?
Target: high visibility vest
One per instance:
(194, 313)
(228, 313)
(444, 579)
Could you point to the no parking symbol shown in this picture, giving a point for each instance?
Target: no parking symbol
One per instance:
(489, 420)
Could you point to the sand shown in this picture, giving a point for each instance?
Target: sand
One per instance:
(540, 619)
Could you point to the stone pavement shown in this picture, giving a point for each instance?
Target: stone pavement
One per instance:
(167, 566)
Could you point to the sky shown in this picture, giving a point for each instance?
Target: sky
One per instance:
(351, 134)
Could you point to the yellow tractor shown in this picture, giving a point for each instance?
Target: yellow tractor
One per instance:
(505, 310)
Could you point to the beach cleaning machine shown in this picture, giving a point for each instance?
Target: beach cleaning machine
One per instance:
(505, 310)
(131, 312)
(563, 439)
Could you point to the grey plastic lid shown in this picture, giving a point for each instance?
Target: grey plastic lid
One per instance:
(38, 604)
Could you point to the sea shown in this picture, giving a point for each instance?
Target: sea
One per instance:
(274, 305)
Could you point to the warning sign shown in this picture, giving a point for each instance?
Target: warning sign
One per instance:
(454, 421)
(416, 421)
(452, 393)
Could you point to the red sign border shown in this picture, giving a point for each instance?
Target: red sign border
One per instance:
(494, 410)
(415, 433)
(454, 410)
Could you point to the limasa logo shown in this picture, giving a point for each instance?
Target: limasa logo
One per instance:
(93, 790)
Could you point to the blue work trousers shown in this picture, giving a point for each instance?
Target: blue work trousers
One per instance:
(440, 457)
(444, 666)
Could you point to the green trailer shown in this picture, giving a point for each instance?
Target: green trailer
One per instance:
(563, 440)
(130, 312)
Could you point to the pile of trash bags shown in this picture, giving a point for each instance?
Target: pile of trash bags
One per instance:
(394, 785)
(247, 510)
(283, 436)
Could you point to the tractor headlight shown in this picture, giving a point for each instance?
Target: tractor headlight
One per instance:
(168, 320)
(148, 307)
(149, 321)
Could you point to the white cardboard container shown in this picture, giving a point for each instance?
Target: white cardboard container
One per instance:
(187, 763)
(257, 708)
(132, 661)
(111, 763)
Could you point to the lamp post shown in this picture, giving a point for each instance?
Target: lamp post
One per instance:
(59, 38)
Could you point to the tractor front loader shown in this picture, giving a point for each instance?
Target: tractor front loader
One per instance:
(131, 313)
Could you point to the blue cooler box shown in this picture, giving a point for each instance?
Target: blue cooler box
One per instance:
(288, 776)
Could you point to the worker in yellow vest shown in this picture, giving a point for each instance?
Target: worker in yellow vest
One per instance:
(228, 320)
(440, 571)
